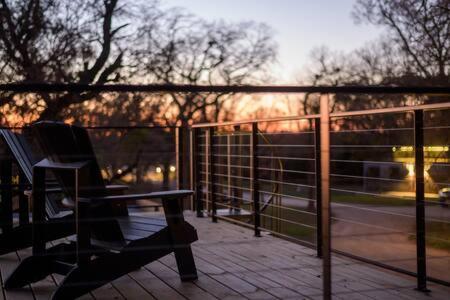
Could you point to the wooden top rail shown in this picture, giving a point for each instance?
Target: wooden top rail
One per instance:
(435, 106)
(247, 89)
(279, 119)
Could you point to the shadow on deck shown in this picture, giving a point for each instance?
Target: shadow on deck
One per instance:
(234, 265)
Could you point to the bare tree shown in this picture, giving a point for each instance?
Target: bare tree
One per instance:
(419, 29)
(99, 42)
(182, 49)
(374, 64)
(73, 41)
(414, 51)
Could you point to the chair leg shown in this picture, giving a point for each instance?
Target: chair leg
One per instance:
(77, 283)
(108, 267)
(179, 230)
(186, 263)
(31, 269)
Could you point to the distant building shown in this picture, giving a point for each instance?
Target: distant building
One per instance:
(436, 169)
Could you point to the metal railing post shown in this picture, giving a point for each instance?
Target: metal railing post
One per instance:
(207, 171)
(325, 182)
(420, 201)
(193, 166)
(237, 170)
(212, 189)
(318, 183)
(24, 215)
(254, 178)
(179, 156)
(198, 187)
(232, 203)
(182, 175)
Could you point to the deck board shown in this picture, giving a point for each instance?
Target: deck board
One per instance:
(232, 264)
(42, 289)
(8, 263)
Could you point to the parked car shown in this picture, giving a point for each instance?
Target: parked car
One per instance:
(444, 197)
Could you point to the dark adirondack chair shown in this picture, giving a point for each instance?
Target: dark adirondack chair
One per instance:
(109, 243)
(18, 237)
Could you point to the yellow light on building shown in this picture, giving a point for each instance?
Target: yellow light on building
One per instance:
(412, 171)
(158, 170)
(425, 149)
(436, 149)
(172, 169)
(406, 149)
(410, 168)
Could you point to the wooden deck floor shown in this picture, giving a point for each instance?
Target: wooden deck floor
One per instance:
(234, 265)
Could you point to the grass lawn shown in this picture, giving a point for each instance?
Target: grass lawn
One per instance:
(354, 198)
(341, 197)
(300, 233)
(437, 235)
(288, 228)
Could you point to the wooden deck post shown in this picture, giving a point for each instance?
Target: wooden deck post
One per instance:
(325, 182)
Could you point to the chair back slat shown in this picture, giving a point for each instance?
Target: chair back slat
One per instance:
(64, 143)
(22, 154)
(16, 147)
(97, 186)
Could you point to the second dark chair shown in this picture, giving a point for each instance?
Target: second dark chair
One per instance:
(108, 245)
(18, 236)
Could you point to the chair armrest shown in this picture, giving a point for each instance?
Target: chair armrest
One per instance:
(115, 188)
(156, 195)
(47, 164)
(110, 188)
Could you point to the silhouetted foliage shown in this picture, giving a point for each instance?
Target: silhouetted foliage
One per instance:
(418, 30)
(415, 50)
(180, 48)
(60, 41)
(100, 42)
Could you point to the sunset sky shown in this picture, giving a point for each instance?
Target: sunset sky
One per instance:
(299, 25)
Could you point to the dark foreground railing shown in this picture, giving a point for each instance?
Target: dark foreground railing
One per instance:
(218, 159)
(350, 182)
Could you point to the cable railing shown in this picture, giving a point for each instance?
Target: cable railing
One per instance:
(306, 183)
(365, 168)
